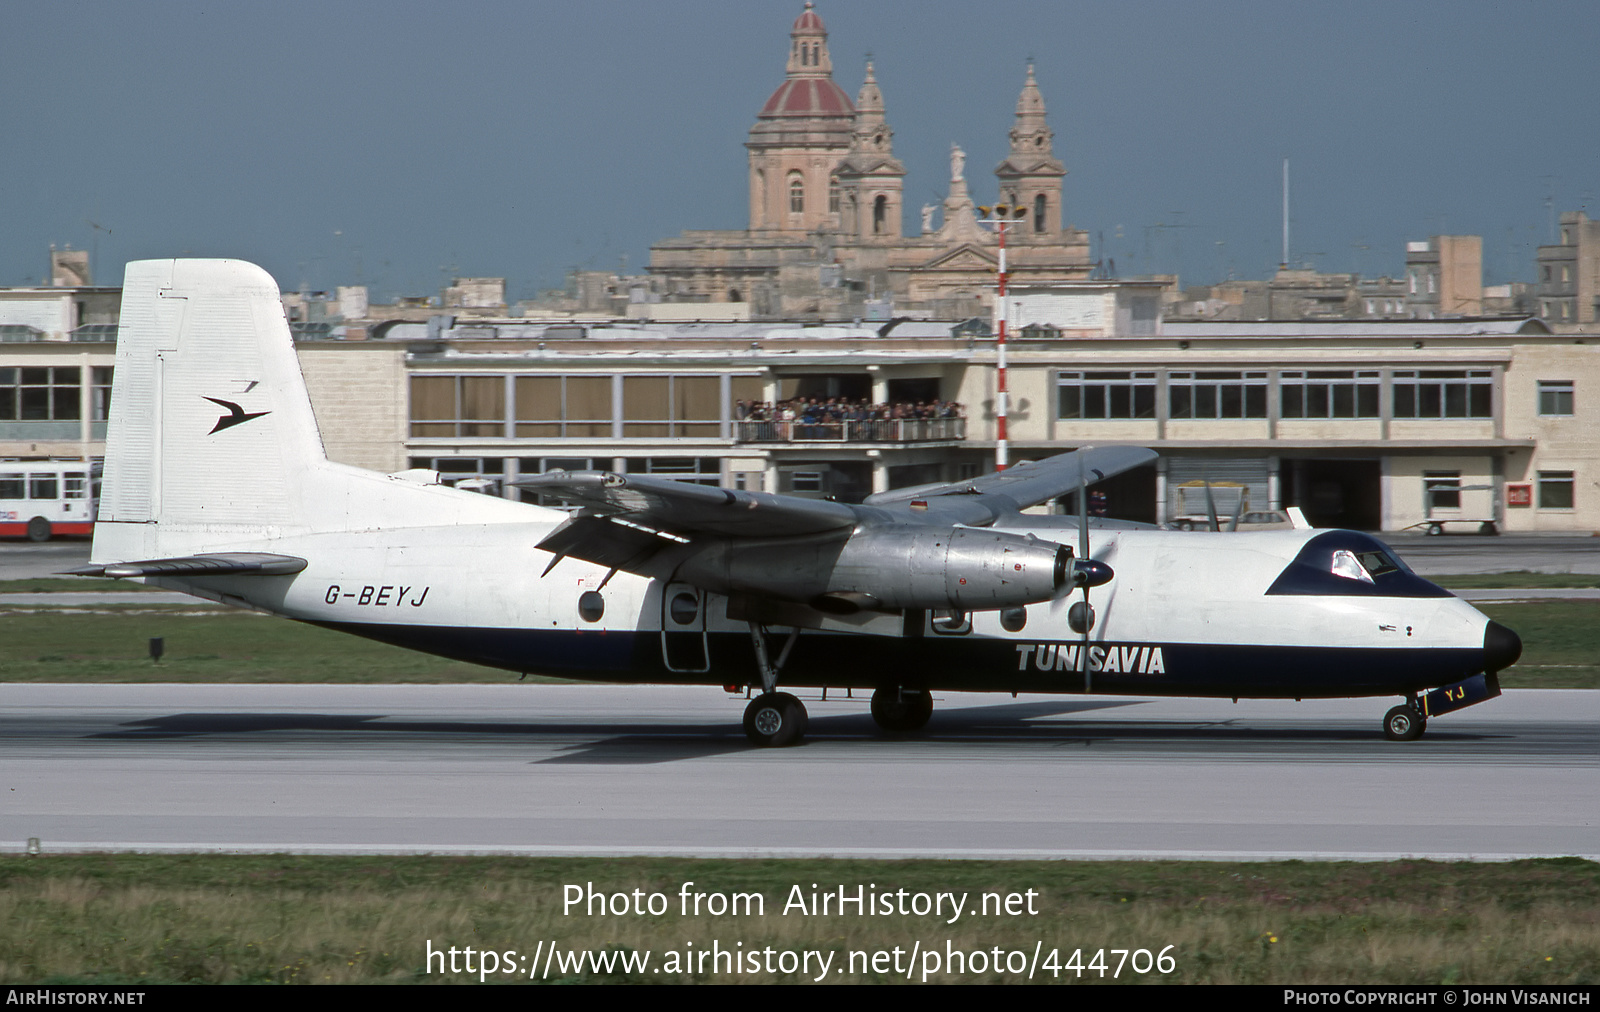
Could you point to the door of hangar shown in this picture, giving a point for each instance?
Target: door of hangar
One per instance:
(1251, 474)
(1335, 493)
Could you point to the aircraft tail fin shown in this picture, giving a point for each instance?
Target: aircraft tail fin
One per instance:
(211, 444)
(210, 425)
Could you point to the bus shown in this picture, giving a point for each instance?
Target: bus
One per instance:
(40, 499)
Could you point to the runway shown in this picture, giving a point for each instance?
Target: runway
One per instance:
(558, 769)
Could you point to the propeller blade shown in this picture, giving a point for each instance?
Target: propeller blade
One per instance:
(1211, 507)
(1083, 512)
(1238, 511)
(1083, 555)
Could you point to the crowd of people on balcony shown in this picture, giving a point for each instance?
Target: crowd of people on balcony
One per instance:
(838, 418)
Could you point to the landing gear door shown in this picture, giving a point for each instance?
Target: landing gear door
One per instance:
(683, 629)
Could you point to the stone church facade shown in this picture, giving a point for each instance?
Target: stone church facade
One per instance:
(825, 239)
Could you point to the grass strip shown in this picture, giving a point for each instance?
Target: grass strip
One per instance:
(124, 918)
(1520, 580)
(208, 645)
(71, 584)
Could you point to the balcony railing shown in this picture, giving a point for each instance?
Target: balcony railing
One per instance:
(903, 430)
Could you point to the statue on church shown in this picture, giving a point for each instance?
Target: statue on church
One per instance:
(927, 218)
(958, 161)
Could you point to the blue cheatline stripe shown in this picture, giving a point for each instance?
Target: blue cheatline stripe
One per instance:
(968, 664)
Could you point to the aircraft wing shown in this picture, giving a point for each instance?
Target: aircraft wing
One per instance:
(684, 509)
(215, 564)
(1026, 484)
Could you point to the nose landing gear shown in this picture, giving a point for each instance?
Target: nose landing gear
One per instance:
(1404, 723)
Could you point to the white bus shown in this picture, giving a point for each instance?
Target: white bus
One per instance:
(42, 498)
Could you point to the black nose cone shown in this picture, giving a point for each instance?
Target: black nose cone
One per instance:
(1501, 647)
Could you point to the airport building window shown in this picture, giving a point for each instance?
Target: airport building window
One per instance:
(458, 406)
(1217, 395)
(670, 406)
(1442, 489)
(695, 470)
(1330, 394)
(1443, 393)
(569, 406)
(1555, 398)
(100, 395)
(1556, 490)
(1106, 395)
(40, 393)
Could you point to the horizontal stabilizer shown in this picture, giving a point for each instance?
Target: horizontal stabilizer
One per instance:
(219, 564)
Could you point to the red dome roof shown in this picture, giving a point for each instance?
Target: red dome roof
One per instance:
(808, 96)
(808, 22)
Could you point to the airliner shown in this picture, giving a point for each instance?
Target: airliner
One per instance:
(217, 484)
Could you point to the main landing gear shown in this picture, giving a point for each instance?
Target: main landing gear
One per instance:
(1404, 723)
(900, 710)
(773, 719)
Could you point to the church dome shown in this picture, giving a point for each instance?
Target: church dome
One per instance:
(808, 96)
(808, 91)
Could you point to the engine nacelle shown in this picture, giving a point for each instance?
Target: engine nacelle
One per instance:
(891, 568)
(963, 568)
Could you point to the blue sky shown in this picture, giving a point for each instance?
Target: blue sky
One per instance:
(393, 144)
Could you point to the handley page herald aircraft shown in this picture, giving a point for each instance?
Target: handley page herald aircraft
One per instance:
(216, 484)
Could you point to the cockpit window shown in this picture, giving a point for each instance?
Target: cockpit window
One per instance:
(1377, 563)
(1348, 564)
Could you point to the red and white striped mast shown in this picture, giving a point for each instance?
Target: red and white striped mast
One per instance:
(1000, 219)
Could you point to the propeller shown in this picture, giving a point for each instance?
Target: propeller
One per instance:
(1086, 572)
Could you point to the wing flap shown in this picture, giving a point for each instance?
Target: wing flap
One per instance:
(607, 541)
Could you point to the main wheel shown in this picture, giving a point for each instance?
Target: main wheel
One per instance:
(775, 719)
(38, 529)
(1404, 723)
(901, 709)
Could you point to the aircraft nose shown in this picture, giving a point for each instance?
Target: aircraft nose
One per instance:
(1501, 647)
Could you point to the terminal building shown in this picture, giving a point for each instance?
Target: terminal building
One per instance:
(1376, 425)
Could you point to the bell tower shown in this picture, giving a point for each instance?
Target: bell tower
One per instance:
(1031, 175)
(870, 177)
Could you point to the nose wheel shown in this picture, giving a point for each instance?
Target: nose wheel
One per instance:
(1404, 723)
(775, 719)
